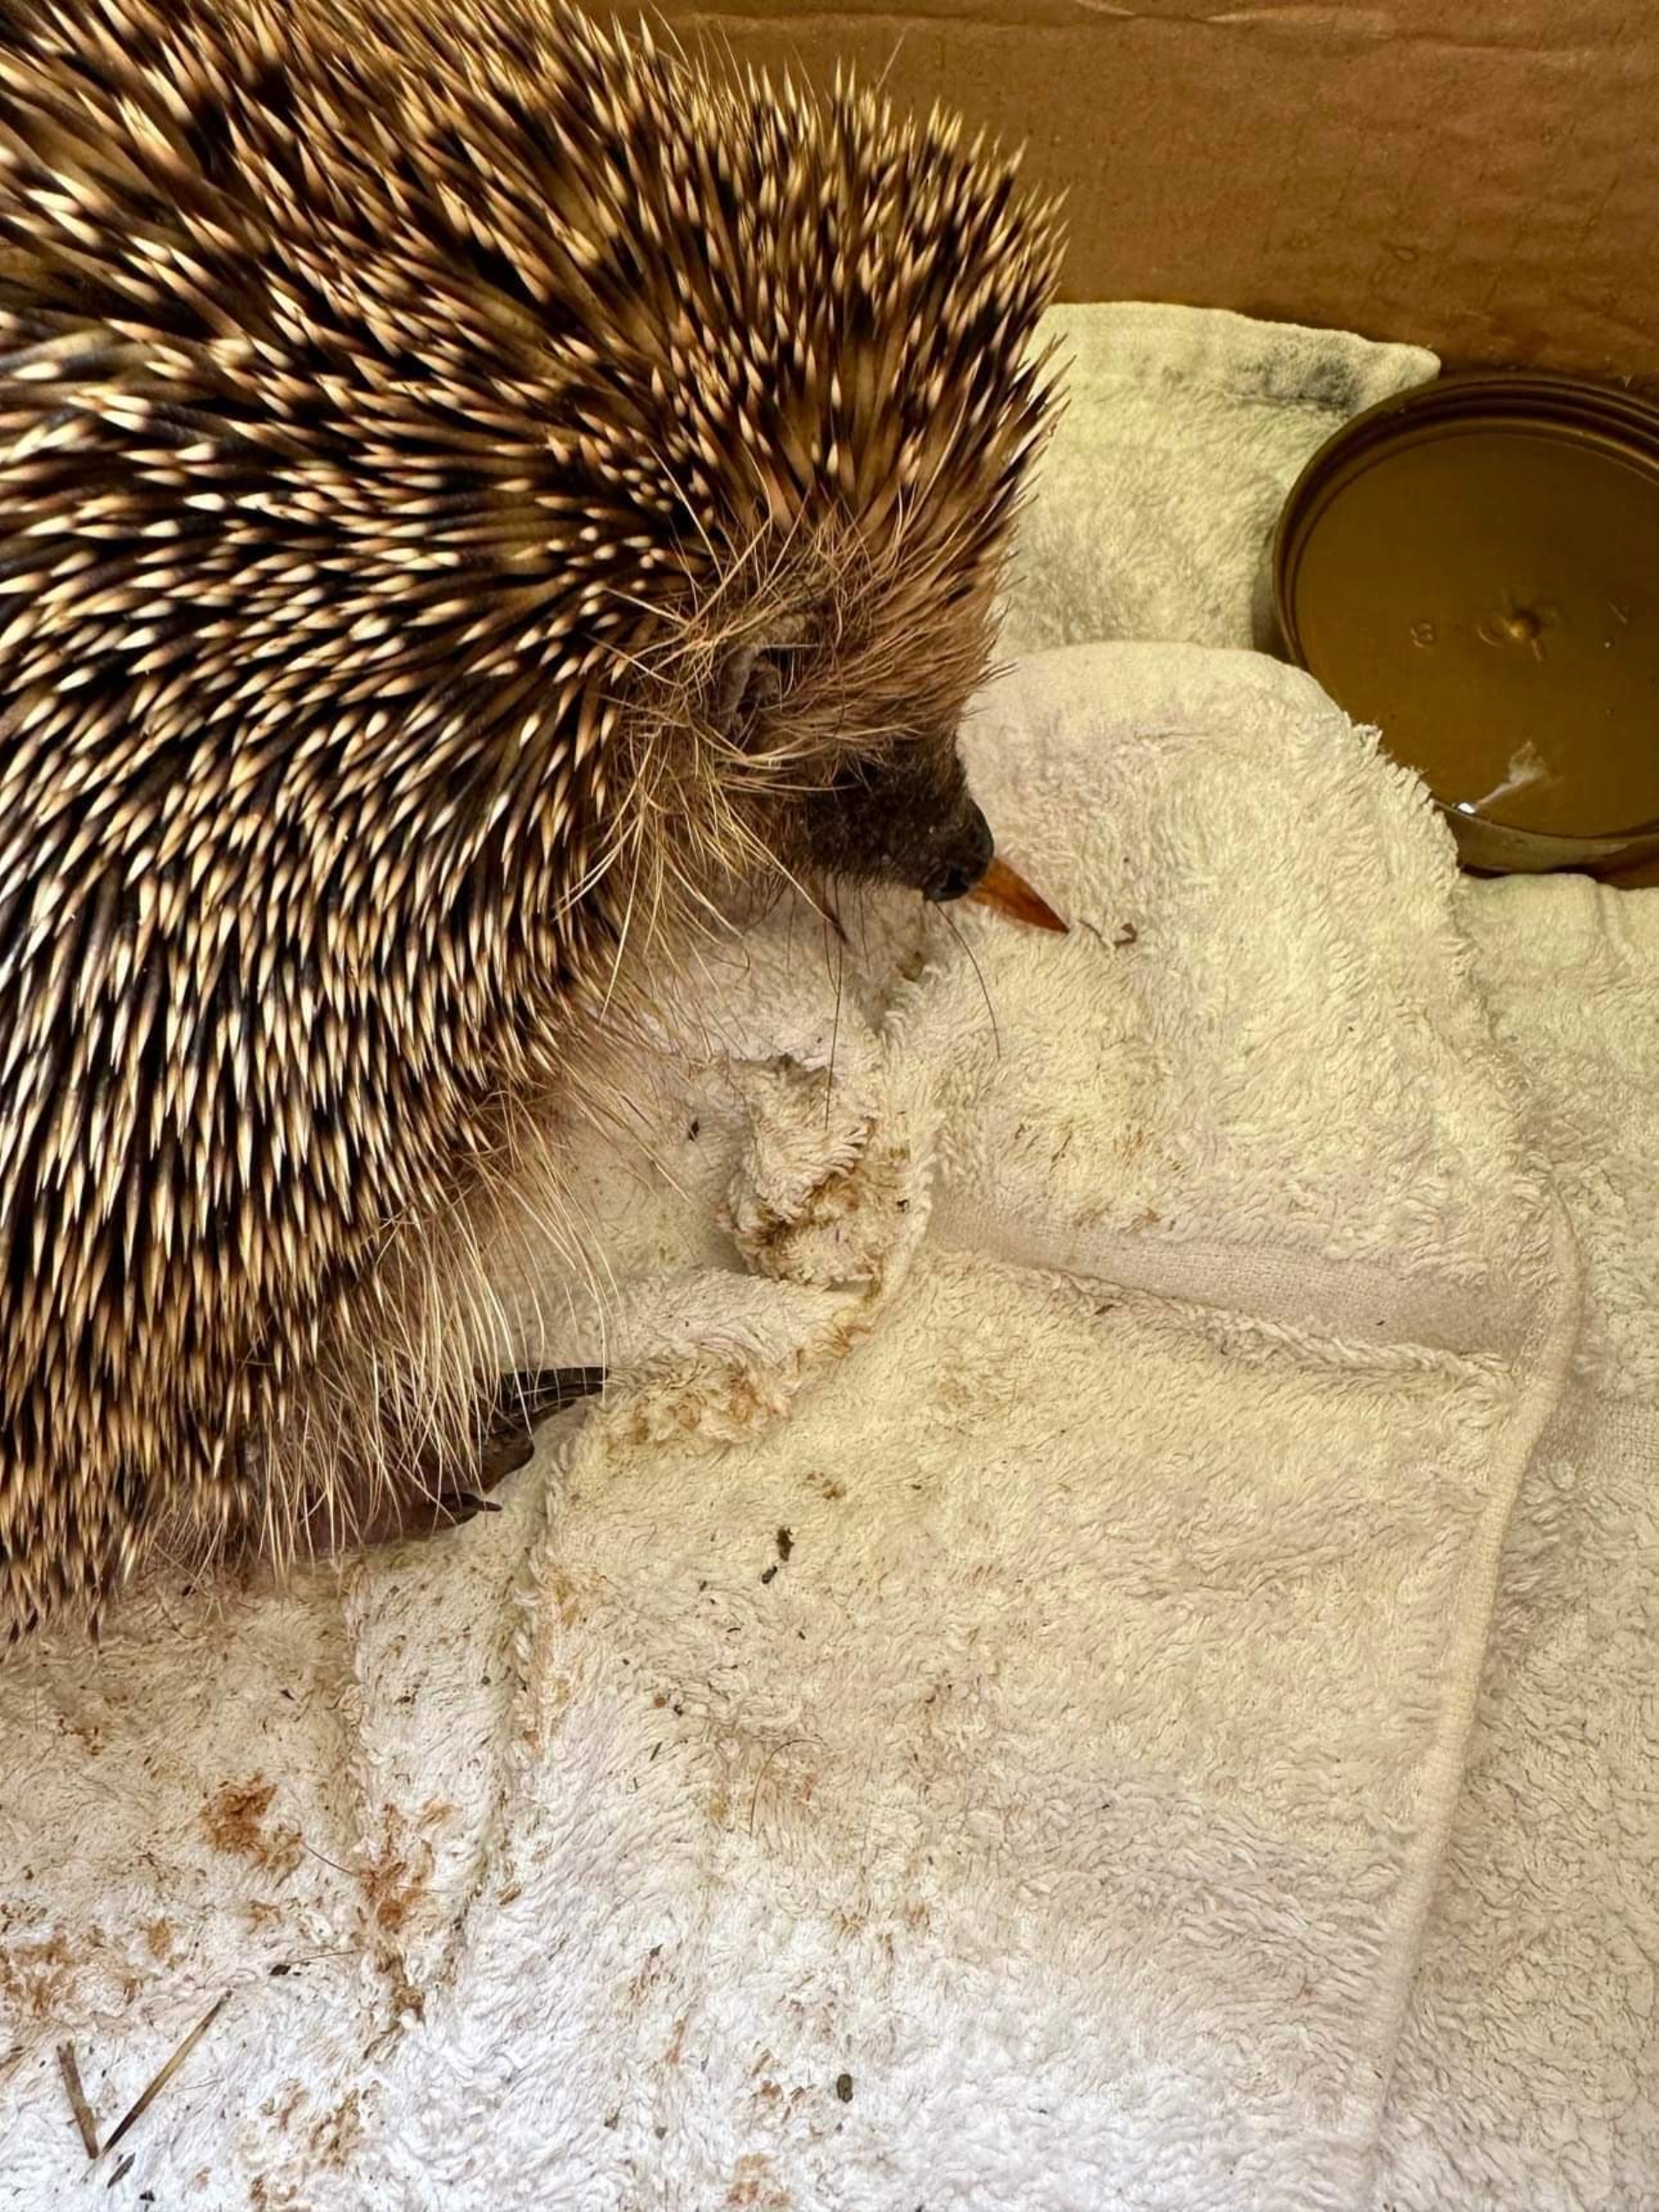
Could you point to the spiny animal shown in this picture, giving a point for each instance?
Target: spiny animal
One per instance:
(473, 490)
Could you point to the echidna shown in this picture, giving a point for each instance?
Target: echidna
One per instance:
(472, 489)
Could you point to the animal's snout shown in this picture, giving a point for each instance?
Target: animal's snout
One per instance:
(962, 862)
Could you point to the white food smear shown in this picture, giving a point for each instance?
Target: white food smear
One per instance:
(1525, 767)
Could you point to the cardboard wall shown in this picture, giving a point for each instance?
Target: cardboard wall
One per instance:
(1480, 178)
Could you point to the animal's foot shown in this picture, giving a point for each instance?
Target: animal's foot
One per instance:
(530, 1395)
(524, 1399)
(508, 1419)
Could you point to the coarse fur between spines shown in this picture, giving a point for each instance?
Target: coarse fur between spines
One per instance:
(404, 413)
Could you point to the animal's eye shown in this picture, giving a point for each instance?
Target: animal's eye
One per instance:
(750, 681)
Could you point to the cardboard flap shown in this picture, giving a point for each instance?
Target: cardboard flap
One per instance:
(1484, 181)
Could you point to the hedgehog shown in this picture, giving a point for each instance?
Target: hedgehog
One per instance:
(480, 493)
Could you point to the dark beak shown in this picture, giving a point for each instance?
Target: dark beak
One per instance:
(962, 862)
(966, 867)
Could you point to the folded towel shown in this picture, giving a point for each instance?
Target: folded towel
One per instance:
(1529, 2071)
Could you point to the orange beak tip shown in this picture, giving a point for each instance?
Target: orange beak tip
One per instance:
(1007, 892)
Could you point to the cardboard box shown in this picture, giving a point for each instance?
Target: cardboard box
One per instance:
(1482, 179)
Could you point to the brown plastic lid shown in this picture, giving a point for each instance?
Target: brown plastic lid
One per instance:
(1473, 569)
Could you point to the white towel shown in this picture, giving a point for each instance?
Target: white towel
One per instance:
(1183, 430)
(1529, 2073)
